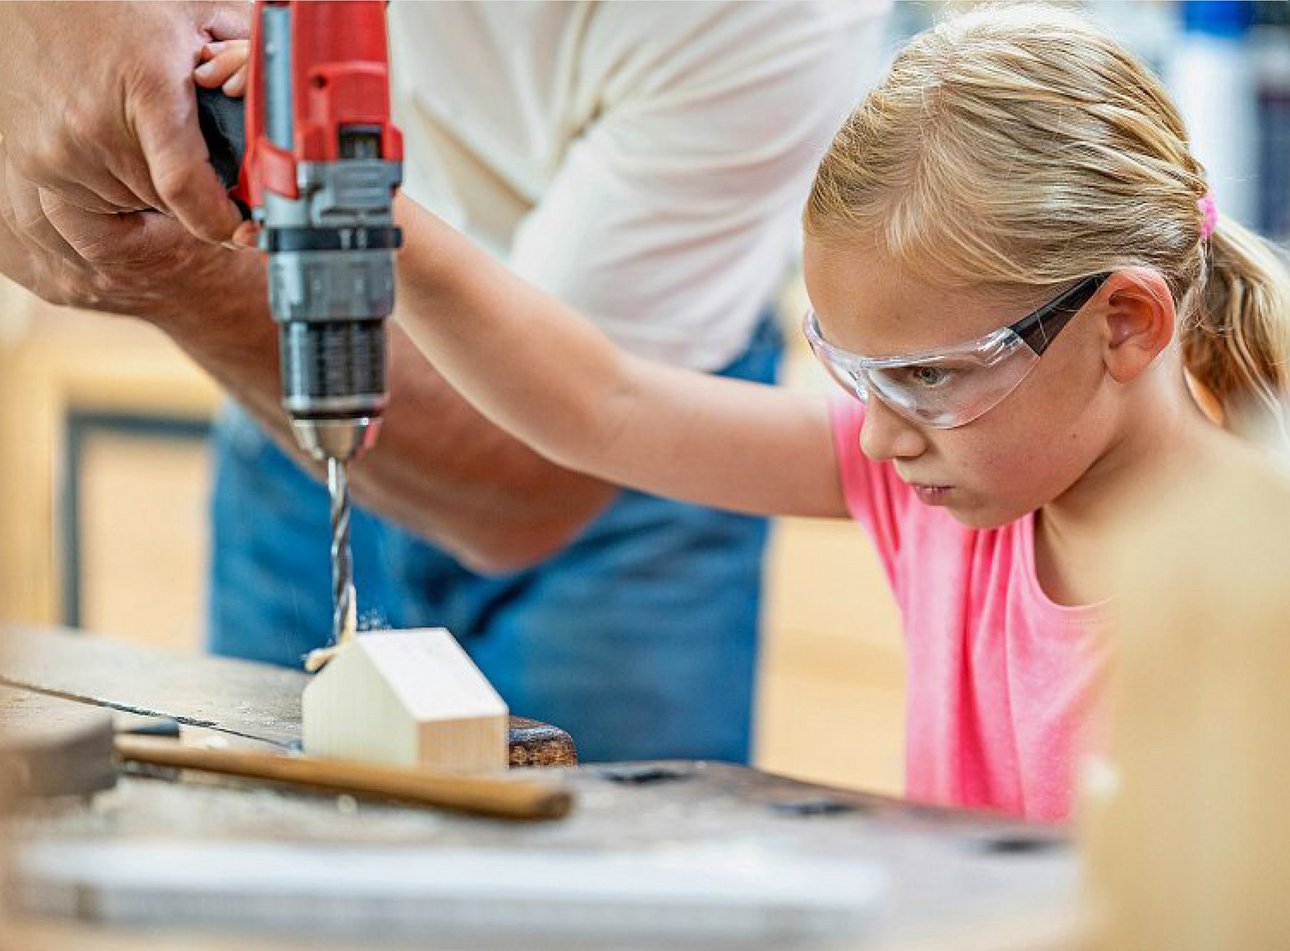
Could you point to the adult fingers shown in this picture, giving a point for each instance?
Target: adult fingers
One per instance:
(61, 171)
(177, 157)
(228, 21)
(141, 261)
(33, 269)
(246, 236)
(108, 241)
(29, 221)
(15, 260)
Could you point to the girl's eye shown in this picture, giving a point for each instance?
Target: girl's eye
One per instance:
(929, 378)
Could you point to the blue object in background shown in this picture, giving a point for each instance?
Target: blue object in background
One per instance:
(1226, 18)
(1213, 80)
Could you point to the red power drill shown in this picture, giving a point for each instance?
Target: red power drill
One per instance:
(317, 168)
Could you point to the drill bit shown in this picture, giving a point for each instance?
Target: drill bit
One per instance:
(345, 608)
(345, 602)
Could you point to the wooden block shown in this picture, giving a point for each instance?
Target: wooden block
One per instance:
(406, 698)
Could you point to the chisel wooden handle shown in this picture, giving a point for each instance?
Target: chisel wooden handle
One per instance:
(485, 795)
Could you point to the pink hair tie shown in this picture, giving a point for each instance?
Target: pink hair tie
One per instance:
(1209, 215)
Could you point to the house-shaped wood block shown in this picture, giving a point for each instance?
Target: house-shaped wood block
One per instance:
(406, 698)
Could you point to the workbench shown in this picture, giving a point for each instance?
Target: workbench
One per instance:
(654, 854)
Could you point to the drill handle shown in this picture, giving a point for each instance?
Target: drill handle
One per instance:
(223, 123)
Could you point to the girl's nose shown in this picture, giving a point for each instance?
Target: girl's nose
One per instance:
(886, 435)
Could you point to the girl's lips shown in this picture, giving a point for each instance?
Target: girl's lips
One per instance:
(932, 494)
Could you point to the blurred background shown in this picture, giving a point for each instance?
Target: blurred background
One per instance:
(104, 467)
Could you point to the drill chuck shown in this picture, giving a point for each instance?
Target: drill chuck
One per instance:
(333, 385)
(330, 291)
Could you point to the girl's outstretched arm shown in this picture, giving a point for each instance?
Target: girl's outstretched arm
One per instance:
(547, 375)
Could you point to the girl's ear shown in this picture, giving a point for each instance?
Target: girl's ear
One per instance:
(1137, 321)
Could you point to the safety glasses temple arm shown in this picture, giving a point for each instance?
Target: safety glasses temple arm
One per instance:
(1041, 328)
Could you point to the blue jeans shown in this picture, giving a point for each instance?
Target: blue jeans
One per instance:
(639, 637)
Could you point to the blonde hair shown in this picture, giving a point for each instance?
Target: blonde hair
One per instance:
(1020, 146)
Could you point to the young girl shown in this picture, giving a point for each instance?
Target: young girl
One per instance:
(1016, 269)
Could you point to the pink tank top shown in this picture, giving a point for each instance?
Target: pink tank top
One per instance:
(1001, 679)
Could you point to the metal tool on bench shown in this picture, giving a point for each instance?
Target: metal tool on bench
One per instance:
(315, 160)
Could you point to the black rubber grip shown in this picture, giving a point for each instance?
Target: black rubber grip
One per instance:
(223, 123)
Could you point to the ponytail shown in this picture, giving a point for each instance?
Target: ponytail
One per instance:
(1236, 333)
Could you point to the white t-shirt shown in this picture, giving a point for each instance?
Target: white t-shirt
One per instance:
(644, 162)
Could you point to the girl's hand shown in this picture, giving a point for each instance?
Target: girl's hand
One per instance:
(224, 65)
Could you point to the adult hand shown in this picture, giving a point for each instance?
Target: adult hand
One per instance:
(97, 106)
(139, 263)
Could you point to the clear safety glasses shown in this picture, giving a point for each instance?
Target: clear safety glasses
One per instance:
(951, 387)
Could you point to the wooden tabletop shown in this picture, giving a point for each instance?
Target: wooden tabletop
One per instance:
(918, 873)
